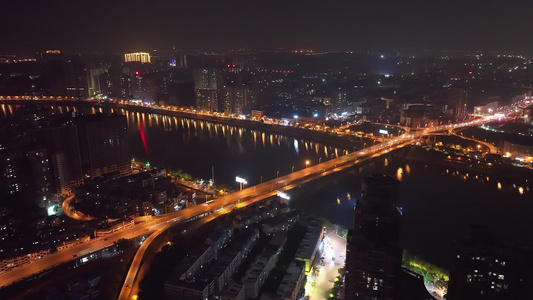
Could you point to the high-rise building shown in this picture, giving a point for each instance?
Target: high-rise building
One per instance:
(485, 269)
(10, 182)
(93, 81)
(103, 144)
(206, 82)
(373, 253)
(236, 99)
(66, 76)
(179, 60)
(227, 96)
(207, 100)
(142, 57)
(115, 85)
(144, 87)
(339, 101)
(456, 103)
(25, 174)
(40, 181)
(62, 145)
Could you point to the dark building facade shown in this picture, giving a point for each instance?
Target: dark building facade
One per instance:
(25, 175)
(206, 82)
(67, 76)
(64, 151)
(373, 258)
(103, 144)
(485, 269)
(114, 84)
(456, 103)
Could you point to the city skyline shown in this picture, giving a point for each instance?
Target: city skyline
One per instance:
(119, 26)
(266, 149)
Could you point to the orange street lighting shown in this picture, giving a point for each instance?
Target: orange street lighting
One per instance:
(241, 182)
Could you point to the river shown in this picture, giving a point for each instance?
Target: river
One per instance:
(439, 203)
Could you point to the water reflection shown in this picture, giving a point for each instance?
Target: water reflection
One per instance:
(234, 136)
(287, 151)
(399, 174)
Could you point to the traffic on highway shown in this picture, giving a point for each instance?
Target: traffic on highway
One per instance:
(154, 226)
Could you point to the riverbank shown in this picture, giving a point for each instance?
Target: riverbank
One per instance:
(295, 132)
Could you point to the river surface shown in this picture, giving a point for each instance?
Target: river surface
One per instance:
(198, 147)
(439, 203)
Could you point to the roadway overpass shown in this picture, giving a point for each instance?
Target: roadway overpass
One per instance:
(227, 203)
(230, 202)
(268, 189)
(492, 149)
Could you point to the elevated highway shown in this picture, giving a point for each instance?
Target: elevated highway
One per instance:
(226, 204)
(492, 149)
(230, 202)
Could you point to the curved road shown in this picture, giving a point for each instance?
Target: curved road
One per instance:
(255, 193)
(76, 215)
(492, 149)
(232, 201)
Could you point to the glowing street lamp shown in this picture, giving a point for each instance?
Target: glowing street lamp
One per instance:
(283, 195)
(306, 163)
(241, 182)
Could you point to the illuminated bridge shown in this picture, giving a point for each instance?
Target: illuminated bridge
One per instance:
(224, 204)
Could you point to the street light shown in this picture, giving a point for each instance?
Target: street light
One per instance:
(292, 169)
(277, 174)
(261, 179)
(319, 159)
(306, 163)
(241, 182)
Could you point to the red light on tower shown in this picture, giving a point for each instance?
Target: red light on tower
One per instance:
(137, 73)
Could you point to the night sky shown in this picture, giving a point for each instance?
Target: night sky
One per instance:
(115, 26)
